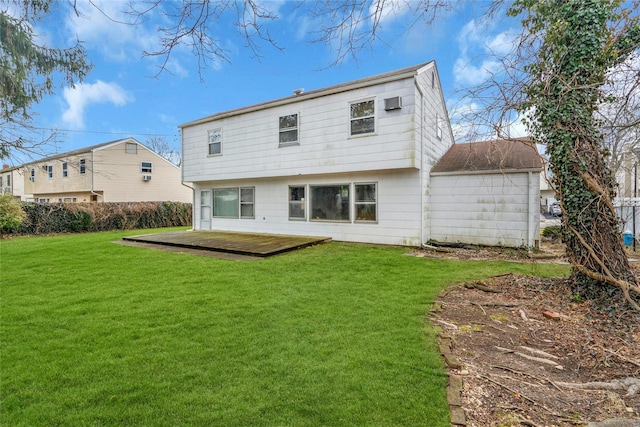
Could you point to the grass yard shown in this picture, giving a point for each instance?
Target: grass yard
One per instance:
(98, 334)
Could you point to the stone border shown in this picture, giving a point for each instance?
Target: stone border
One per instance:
(454, 388)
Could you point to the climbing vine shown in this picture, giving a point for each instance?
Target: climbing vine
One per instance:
(579, 42)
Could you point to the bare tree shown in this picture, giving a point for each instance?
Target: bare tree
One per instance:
(161, 146)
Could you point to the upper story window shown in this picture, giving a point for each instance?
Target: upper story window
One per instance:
(131, 148)
(65, 169)
(362, 117)
(215, 142)
(32, 174)
(83, 166)
(288, 129)
(146, 167)
(50, 171)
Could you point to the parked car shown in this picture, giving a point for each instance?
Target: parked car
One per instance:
(555, 210)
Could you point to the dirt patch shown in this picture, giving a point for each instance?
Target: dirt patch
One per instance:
(530, 352)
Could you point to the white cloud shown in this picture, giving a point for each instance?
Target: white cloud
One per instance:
(103, 24)
(480, 53)
(86, 94)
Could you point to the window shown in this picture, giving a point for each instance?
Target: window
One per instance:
(297, 203)
(225, 202)
(32, 174)
(234, 202)
(288, 129)
(8, 180)
(83, 166)
(362, 115)
(246, 202)
(65, 169)
(438, 127)
(131, 148)
(146, 167)
(215, 142)
(365, 202)
(69, 200)
(50, 171)
(330, 202)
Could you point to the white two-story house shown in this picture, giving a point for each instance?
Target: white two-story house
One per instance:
(350, 161)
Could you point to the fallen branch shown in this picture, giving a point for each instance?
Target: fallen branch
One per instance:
(532, 358)
(481, 286)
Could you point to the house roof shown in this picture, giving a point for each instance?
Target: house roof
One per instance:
(80, 150)
(499, 155)
(355, 84)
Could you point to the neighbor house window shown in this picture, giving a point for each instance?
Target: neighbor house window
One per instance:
(215, 142)
(32, 174)
(362, 116)
(288, 129)
(146, 167)
(246, 202)
(65, 169)
(50, 171)
(8, 180)
(297, 203)
(131, 148)
(83, 166)
(330, 202)
(365, 202)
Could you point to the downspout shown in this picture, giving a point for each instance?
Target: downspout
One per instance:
(530, 212)
(193, 190)
(422, 188)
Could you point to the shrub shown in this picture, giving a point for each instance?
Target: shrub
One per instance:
(11, 214)
(553, 232)
(79, 217)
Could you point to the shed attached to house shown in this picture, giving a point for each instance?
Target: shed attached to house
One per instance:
(487, 193)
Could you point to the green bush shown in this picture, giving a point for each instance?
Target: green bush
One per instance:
(11, 214)
(44, 218)
(553, 232)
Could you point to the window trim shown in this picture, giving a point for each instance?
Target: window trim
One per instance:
(374, 116)
(144, 169)
(209, 143)
(357, 202)
(283, 130)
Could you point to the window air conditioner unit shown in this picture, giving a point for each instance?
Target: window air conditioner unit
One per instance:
(146, 177)
(394, 103)
(31, 179)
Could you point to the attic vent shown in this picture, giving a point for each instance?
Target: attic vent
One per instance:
(297, 92)
(394, 103)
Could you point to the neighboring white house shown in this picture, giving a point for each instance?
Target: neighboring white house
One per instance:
(117, 171)
(487, 193)
(350, 161)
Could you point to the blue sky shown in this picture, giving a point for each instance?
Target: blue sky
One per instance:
(121, 97)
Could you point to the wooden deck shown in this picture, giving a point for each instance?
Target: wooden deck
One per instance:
(250, 244)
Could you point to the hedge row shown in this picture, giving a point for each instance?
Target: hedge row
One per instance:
(44, 218)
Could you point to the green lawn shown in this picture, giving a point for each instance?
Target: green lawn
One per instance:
(98, 334)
